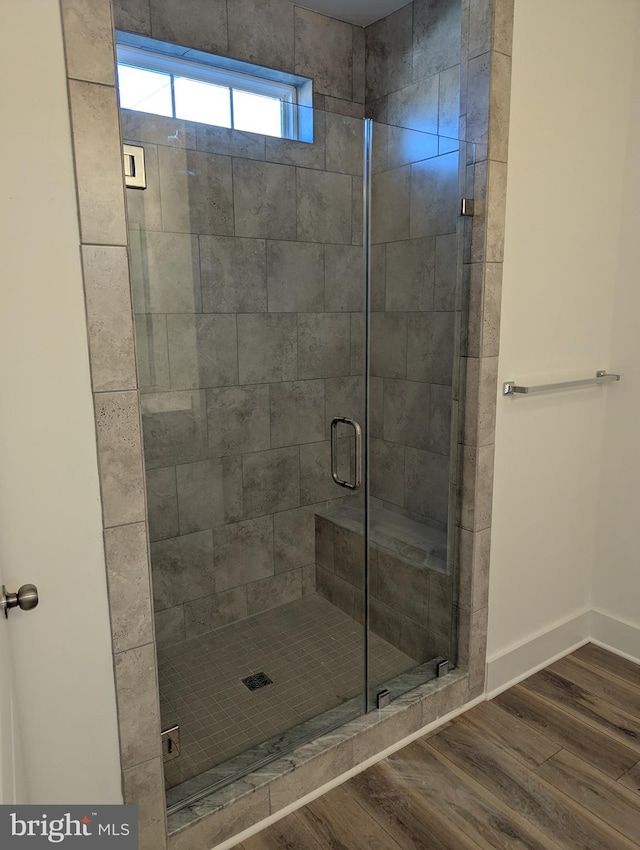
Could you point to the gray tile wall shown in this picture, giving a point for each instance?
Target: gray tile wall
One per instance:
(247, 270)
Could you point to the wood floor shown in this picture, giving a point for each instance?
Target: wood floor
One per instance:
(553, 762)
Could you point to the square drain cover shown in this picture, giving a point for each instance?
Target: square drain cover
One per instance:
(257, 680)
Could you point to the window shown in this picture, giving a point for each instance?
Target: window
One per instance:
(150, 81)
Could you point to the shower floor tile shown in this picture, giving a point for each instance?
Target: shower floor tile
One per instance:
(310, 650)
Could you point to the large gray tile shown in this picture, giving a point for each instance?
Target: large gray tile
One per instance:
(387, 471)
(416, 106)
(359, 60)
(324, 530)
(478, 98)
(440, 423)
(234, 277)
(496, 211)
(349, 556)
(129, 589)
(297, 413)
(174, 426)
(477, 487)
(324, 203)
(88, 38)
(182, 569)
(132, 16)
(109, 319)
(503, 26)
(261, 32)
(294, 538)
(357, 211)
(264, 199)
(324, 52)
(411, 271)
(316, 484)
(336, 590)
(271, 481)
(165, 272)
(441, 604)
(377, 407)
(427, 484)
(323, 345)
(201, 25)
(449, 103)
(120, 458)
(211, 612)
(267, 347)
(403, 587)
(197, 192)
(491, 308)
(407, 413)
(480, 26)
(446, 272)
(143, 785)
(391, 193)
(203, 351)
(243, 552)
(274, 592)
(430, 347)
(138, 715)
(152, 353)
(209, 493)
(409, 146)
(385, 621)
(238, 420)
(98, 159)
(305, 154)
(389, 345)
(357, 343)
(228, 142)
(345, 144)
(437, 29)
(295, 277)
(162, 503)
(435, 196)
(169, 626)
(344, 285)
(389, 53)
(157, 130)
(500, 107)
(378, 278)
(144, 210)
(344, 397)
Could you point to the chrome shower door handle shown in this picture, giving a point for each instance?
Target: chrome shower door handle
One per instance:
(338, 420)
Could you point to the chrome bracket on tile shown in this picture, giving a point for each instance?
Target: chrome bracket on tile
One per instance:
(467, 207)
(134, 171)
(383, 698)
(170, 743)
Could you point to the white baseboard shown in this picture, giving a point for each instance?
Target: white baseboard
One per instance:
(532, 655)
(616, 636)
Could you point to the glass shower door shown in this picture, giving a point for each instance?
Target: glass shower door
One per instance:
(248, 271)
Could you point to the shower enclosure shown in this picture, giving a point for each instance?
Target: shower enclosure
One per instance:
(298, 309)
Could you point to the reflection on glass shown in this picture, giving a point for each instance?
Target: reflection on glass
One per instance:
(256, 114)
(146, 91)
(204, 102)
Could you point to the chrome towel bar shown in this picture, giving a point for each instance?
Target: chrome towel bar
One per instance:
(602, 376)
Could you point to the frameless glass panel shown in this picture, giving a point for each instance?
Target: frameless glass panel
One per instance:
(203, 102)
(249, 297)
(256, 114)
(417, 252)
(147, 91)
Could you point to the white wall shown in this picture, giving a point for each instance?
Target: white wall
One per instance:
(616, 587)
(50, 528)
(572, 89)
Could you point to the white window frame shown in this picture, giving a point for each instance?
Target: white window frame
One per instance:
(175, 66)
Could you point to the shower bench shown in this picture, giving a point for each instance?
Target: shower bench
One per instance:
(410, 590)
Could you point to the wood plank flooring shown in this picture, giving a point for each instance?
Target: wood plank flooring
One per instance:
(554, 762)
